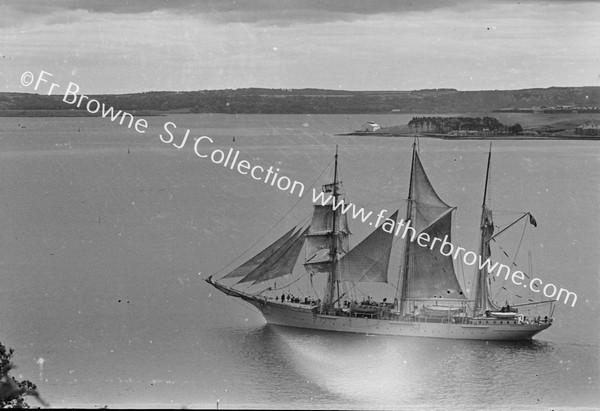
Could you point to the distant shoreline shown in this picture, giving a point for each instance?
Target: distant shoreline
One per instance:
(390, 132)
(72, 113)
(473, 137)
(321, 101)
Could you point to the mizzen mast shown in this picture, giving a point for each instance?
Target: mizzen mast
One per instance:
(481, 301)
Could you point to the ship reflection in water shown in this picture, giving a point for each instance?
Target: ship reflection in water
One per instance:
(364, 371)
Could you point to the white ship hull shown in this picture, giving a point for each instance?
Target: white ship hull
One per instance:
(300, 317)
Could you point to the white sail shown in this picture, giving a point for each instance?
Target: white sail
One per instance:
(369, 260)
(259, 258)
(286, 262)
(428, 273)
(272, 266)
(319, 255)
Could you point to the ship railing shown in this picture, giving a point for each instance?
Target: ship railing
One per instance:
(550, 312)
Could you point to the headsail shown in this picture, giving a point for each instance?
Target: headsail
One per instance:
(287, 261)
(259, 258)
(280, 262)
(369, 260)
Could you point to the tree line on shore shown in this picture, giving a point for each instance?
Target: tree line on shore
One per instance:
(308, 101)
(445, 125)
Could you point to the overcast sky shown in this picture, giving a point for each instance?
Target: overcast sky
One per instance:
(143, 45)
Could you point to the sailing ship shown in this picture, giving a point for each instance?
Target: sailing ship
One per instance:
(429, 301)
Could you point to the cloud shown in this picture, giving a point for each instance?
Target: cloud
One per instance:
(260, 12)
(257, 7)
(183, 45)
(276, 12)
(15, 13)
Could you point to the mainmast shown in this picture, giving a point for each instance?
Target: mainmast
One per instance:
(407, 247)
(427, 273)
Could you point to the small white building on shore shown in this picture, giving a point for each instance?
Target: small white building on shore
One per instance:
(370, 126)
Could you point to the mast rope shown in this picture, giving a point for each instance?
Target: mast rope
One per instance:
(250, 284)
(400, 269)
(312, 286)
(462, 271)
(300, 291)
(287, 285)
(519, 246)
(270, 229)
(514, 259)
(379, 196)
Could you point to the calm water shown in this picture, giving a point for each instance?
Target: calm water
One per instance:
(107, 234)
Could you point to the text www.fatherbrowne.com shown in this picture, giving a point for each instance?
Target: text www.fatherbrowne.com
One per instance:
(446, 248)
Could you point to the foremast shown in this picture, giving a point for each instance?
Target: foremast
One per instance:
(332, 283)
(327, 251)
(327, 240)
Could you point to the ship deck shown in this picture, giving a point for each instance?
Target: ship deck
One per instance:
(385, 321)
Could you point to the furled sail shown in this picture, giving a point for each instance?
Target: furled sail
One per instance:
(482, 299)
(430, 274)
(369, 260)
(278, 263)
(259, 258)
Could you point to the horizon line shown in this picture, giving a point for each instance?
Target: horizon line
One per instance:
(308, 88)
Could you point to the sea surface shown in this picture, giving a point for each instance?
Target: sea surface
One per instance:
(107, 233)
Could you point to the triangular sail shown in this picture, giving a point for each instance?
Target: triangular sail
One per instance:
(431, 274)
(428, 205)
(369, 260)
(428, 273)
(286, 263)
(259, 258)
(275, 260)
